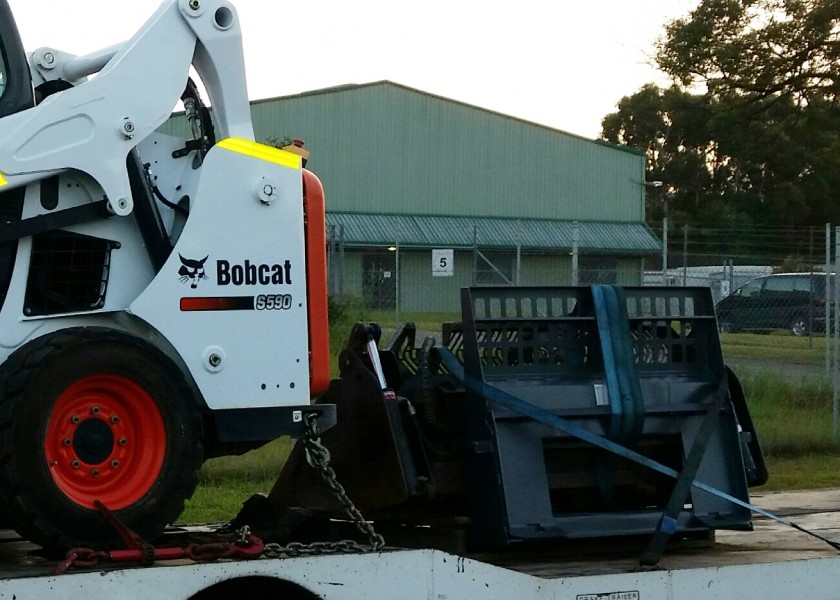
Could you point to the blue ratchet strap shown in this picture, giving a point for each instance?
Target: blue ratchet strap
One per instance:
(625, 392)
(679, 495)
(540, 415)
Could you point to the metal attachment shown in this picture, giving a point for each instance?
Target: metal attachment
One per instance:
(94, 410)
(223, 18)
(115, 419)
(67, 441)
(122, 206)
(266, 190)
(293, 549)
(47, 60)
(192, 9)
(115, 463)
(94, 473)
(127, 129)
(75, 419)
(122, 441)
(213, 359)
(75, 464)
(242, 536)
(139, 551)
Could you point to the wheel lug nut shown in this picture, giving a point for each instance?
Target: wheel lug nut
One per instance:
(94, 473)
(94, 410)
(115, 419)
(75, 419)
(67, 441)
(123, 441)
(115, 463)
(75, 464)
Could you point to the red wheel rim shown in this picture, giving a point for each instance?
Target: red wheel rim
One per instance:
(105, 441)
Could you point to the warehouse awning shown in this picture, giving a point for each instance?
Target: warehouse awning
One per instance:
(424, 231)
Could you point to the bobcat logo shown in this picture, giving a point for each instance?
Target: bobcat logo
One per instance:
(192, 270)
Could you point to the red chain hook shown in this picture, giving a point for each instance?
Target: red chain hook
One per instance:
(139, 551)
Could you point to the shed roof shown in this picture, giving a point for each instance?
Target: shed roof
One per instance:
(394, 84)
(425, 231)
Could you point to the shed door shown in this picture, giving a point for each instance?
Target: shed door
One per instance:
(379, 287)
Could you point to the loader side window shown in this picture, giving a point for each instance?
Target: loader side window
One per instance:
(68, 272)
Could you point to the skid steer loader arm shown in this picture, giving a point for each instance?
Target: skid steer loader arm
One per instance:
(93, 126)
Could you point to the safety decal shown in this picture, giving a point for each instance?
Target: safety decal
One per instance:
(3, 180)
(218, 303)
(261, 152)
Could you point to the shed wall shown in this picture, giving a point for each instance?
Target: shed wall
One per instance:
(419, 291)
(385, 148)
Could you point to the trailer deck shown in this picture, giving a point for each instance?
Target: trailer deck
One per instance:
(769, 542)
(773, 561)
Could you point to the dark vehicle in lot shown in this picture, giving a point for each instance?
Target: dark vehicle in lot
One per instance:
(792, 301)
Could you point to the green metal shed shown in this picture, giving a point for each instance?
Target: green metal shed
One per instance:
(386, 148)
(407, 172)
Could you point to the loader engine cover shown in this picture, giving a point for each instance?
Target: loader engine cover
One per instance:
(224, 298)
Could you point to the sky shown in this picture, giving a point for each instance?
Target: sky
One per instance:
(555, 62)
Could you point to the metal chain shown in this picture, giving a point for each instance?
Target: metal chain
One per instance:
(293, 549)
(319, 458)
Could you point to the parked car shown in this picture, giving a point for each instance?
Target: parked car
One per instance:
(792, 301)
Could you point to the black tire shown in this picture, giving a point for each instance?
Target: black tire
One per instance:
(799, 326)
(726, 326)
(87, 414)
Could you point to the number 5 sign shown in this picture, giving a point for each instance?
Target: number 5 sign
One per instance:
(443, 263)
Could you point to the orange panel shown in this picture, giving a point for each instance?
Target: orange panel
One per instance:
(315, 229)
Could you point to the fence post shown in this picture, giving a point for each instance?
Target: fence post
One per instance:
(575, 249)
(397, 281)
(731, 275)
(518, 250)
(685, 255)
(331, 246)
(835, 409)
(829, 294)
(475, 254)
(664, 251)
(335, 261)
(341, 261)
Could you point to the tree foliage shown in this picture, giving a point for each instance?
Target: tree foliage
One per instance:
(757, 49)
(749, 132)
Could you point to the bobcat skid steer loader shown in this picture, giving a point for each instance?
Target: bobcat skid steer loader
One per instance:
(163, 300)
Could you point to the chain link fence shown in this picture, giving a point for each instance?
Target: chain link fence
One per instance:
(775, 305)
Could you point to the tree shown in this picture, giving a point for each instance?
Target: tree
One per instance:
(757, 49)
(759, 144)
(671, 127)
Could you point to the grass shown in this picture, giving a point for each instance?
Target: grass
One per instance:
(226, 482)
(792, 412)
(781, 346)
(793, 417)
(807, 472)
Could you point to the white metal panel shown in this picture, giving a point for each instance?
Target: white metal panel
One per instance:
(237, 249)
(428, 574)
